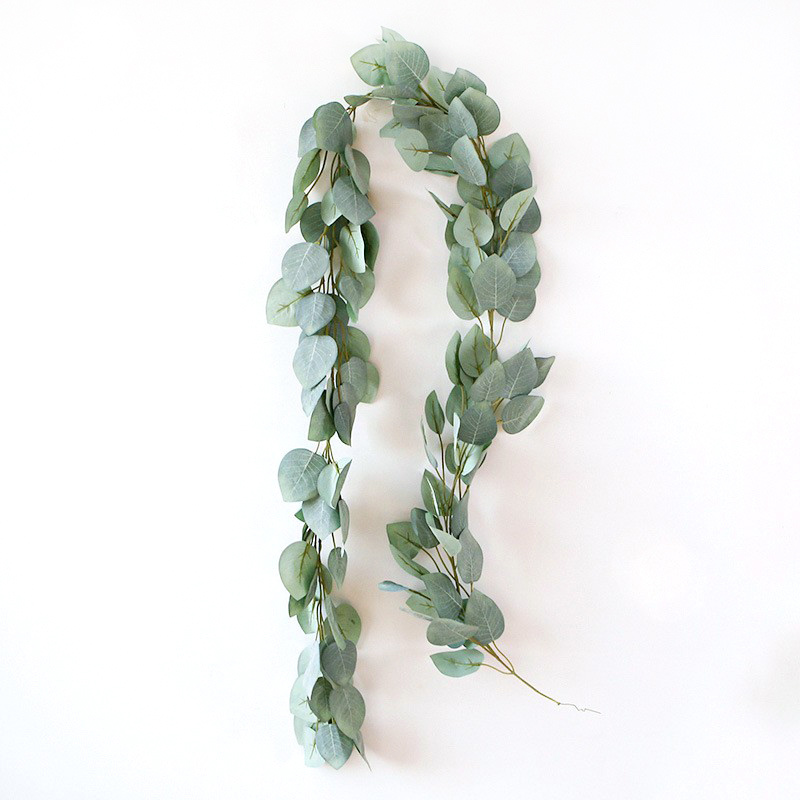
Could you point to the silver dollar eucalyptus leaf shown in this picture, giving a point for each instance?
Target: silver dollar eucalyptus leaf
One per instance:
(520, 411)
(314, 358)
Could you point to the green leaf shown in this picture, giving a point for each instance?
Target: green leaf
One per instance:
(543, 365)
(461, 120)
(358, 164)
(351, 244)
(443, 594)
(520, 253)
(449, 632)
(407, 564)
(314, 311)
(343, 419)
(459, 514)
(391, 586)
(370, 64)
(514, 208)
(388, 35)
(520, 411)
(483, 109)
(304, 264)
(406, 63)
(334, 127)
(468, 163)
(348, 709)
(449, 542)
(474, 354)
(472, 228)
(483, 612)
(413, 147)
(318, 702)
(307, 169)
(344, 518)
(354, 372)
(451, 357)
(331, 480)
(435, 126)
(523, 299)
(521, 373)
(373, 383)
(320, 517)
(320, 426)
(490, 384)
(308, 138)
(298, 473)
(349, 622)
(295, 210)
(436, 84)
(512, 176)
(402, 537)
(421, 528)
(338, 664)
(433, 413)
(351, 202)
(327, 209)
(462, 79)
(478, 424)
(457, 663)
(314, 358)
(510, 146)
(333, 745)
(433, 493)
(297, 567)
(531, 220)
(493, 282)
(281, 304)
(312, 227)
(337, 564)
(470, 559)
(460, 294)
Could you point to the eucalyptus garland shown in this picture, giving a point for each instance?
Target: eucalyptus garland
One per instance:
(439, 124)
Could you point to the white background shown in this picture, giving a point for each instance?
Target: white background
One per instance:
(641, 536)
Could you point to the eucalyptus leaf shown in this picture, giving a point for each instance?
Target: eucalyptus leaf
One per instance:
(443, 594)
(520, 253)
(348, 709)
(349, 622)
(436, 128)
(391, 586)
(314, 358)
(449, 632)
(358, 164)
(470, 559)
(333, 745)
(320, 517)
(298, 473)
(296, 566)
(472, 228)
(331, 480)
(351, 244)
(493, 282)
(514, 208)
(281, 304)
(351, 202)
(490, 384)
(406, 63)
(474, 354)
(511, 146)
(334, 127)
(413, 147)
(295, 210)
(307, 169)
(483, 612)
(520, 411)
(462, 79)
(543, 365)
(510, 177)
(434, 413)
(521, 374)
(461, 120)
(467, 162)
(308, 138)
(457, 663)
(370, 64)
(523, 299)
(482, 108)
(478, 424)
(314, 311)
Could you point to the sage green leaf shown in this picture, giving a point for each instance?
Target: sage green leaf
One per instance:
(459, 515)
(297, 566)
(474, 454)
(348, 709)
(312, 227)
(308, 138)
(370, 64)
(520, 253)
(281, 304)
(467, 162)
(406, 63)
(407, 564)
(354, 372)
(327, 209)
(298, 702)
(373, 383)
(445, 209)
(332, 622)
(391, 129)
(531, 220)
(470, 193)
(351, 202)
(420, 606)
(483, 612)
(483, 109)
(470, 559)
(440, 165)
(320, 517)
(334, 127)
(475, 352)
(402, 537)
(344, 518)
(413, 147)
(307, 169)
(510, 177)
(443, 594)
(407, 113)
(433, 413)
(520, 411)
(372, 243)
(343, 418)
(356, 100)
(337, 564)
(460, 294)
(333, 745)
(314, 358)
(298, 473)
(449, 632)
(349, 622)
(435, 127)
(451, 356)
(461, 120)
(514, 208)
(295, 210)
(467, 258)
(493, 282)
(433, 493)
(521, 373)
(358, 164)
(511, 146)
(462, 79)
(490, 384)
(388, 35)
(522, 300)
(449, 542)
(351, 244)
(543, 365)
(318, 702)
(478, 424)
(421, 528)
(314, 311)
(320, 426)
(331, 480)
(311, 755)
(456, 663)
(436, 83)
(304, 264)
(391, 586)
(310, 395)
(472, 228)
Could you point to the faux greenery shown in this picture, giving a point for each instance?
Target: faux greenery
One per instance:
(439, 124)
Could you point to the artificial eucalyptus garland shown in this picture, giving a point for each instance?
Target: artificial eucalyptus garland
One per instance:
(439, 121)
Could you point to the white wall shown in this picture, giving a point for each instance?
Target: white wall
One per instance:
(641, 537)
